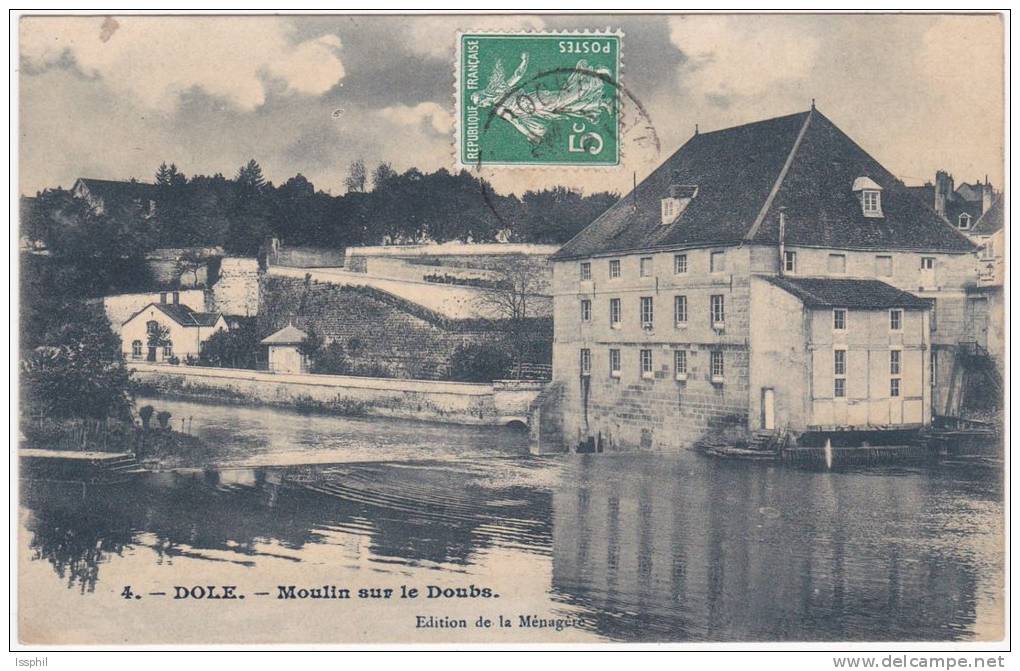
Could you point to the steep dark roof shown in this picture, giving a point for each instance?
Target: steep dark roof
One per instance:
(957, 205)
(111, 191)
(745, 174)
(926, 193)
(181, 314)
(991, 221)
(848, 293)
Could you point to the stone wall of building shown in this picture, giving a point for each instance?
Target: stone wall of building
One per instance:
(654, 410)
(237, 290)
(377, 329)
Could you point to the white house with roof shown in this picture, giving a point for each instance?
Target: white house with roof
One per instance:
(665, 332)
(188, 330)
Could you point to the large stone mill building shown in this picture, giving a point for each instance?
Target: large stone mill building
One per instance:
(767, 276)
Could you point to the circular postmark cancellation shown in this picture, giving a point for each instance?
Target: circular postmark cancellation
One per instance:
(561, 106)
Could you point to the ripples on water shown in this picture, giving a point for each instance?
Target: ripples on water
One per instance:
(643, 547)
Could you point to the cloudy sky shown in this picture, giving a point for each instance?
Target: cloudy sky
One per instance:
(112, 98)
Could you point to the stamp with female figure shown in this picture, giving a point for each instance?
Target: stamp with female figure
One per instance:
(538, 99)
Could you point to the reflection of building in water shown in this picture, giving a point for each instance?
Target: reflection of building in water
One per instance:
(779, 556)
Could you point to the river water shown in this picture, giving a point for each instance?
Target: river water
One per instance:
(635, 547)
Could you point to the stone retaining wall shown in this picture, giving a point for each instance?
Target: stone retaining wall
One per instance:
(449, 402)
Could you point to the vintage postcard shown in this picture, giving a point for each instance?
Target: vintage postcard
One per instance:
(511, 329)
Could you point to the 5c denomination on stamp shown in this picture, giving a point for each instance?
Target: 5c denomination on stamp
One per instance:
(538, 99)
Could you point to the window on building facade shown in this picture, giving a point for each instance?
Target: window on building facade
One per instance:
(680, 310)
(647, 313)
(680, 364)
(614, 363)
(717, 262)
(839, 373)
(585, 361)
(894, 387)
(837, 264)
(963, 223)
(839, 319)
(790, 262)
(718, 311)
(136, 349)
(168, 350)
(680, 264)
(614, 312)
(883, 266)
(614, 268)
(646, 266)
(151, 326)
(585, 310)
(895, 320)
(646, 363)
(894, 362)
(871, 201)
(927, 263)
(586, 271)
(718, 366)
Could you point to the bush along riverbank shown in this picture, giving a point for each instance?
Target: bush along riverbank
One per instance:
(149, 438)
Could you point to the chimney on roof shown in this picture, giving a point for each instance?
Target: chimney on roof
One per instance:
(943, 190)
(162, 297)
(986, 195)
(177, 298)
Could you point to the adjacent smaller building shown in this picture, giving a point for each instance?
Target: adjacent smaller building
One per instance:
(186, 331)
(838, 354)
(285, 354)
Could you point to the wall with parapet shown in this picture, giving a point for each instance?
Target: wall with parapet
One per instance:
(466, 256)
(237, 291)
(450, 402)
(450, 301)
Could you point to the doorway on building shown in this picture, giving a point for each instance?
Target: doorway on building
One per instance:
(768, 408)
(976, 326)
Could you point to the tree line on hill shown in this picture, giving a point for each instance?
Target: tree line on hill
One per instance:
(241, 213)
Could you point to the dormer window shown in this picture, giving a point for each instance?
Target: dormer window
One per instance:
(679, 197)
(963, 223)
(870, 195)
(872, 202)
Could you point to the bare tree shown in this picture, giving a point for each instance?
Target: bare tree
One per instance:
(190, 262)
(509, 300)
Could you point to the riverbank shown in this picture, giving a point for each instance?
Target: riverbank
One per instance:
(495, 404)
(154, 448)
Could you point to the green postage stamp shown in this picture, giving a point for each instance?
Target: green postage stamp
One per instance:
(535, 99)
